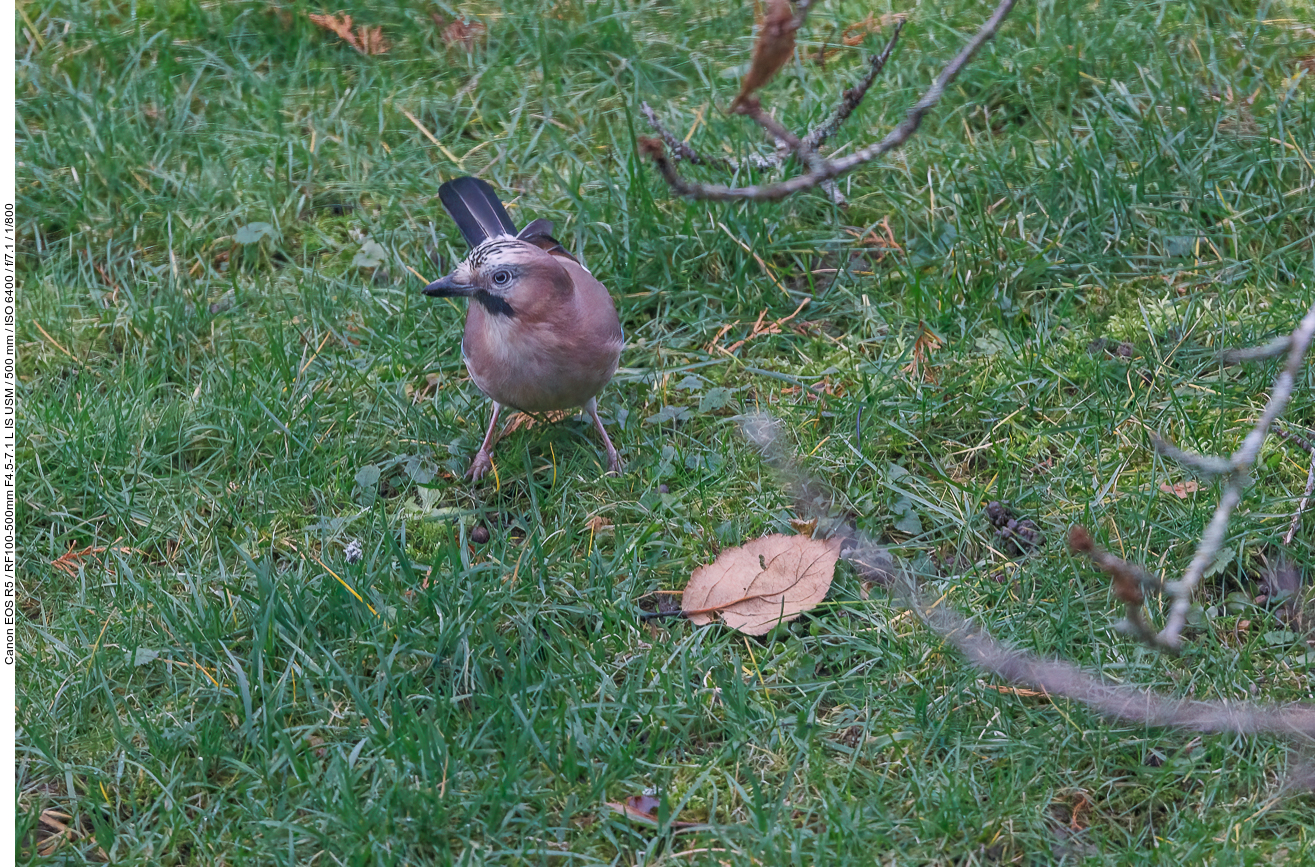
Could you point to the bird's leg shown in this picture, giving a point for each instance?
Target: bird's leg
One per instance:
(483, 461)
(613, 459)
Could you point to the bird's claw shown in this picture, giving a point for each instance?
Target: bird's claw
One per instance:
(480, 466)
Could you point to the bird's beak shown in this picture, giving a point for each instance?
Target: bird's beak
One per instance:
(448, 287)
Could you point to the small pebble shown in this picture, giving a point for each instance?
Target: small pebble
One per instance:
(663, 489)
(480, 534)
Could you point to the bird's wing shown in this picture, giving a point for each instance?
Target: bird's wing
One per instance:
(539, 233)
(476, 210)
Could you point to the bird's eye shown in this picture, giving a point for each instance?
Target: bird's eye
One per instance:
(502, 278)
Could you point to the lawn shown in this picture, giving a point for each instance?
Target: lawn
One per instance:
(258, 627)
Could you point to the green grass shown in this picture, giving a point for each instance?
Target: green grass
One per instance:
(209, 692)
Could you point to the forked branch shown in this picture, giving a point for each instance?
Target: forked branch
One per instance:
(775, 36)
(1235, 471)
(1238, 475)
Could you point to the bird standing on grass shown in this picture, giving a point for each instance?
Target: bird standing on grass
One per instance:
(541, 332)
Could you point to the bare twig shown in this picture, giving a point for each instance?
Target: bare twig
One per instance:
(1055, 677)
(1242, 460)
(1297, 439)
(1206, 465)
(829, 170)
(678, 147)
(851, 98)
(753, 109)
(1273, 349)
(1128, 703)
(1301, 507)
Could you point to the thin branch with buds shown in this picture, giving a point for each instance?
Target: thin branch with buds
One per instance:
(776, 38)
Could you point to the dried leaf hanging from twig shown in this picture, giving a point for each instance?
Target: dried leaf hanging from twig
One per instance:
(775, 46)
(765, 582)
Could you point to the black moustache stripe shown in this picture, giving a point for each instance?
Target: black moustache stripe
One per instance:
(494, 304)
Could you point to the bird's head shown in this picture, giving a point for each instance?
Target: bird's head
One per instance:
(507, 276)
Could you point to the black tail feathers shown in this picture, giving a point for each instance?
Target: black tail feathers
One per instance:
(476, 210)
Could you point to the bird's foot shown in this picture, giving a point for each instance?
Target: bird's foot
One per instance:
(613, 463)
(480, 466)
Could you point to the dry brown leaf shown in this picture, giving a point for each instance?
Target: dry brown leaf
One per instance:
(69, 561)
(643, 809)
(463, 33)
(597, 524)
(855, 33)
(803, 527)
(366, 40)
(762, 583)
(54, 830)
(774, 47)
(1181, 490)
(881, 245)
(525, 421)
(924, 345)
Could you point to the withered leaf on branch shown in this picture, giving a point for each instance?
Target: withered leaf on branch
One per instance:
(762, 583)
(774, 47)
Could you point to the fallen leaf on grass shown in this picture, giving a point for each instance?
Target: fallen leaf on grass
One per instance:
(69, 561)
(525, 421)
(55, 829)
(597, 524)
(1181, 490)
(643, 809)
(459, 32)
(762, 583)
(926, 343)
(803, 527)
(366, 40)
(855, 33)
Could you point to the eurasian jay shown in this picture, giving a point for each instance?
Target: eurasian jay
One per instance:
(541, 332)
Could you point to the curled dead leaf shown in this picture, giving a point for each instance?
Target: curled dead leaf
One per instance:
(774, 47)
(768, 581)
(1181, 490)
